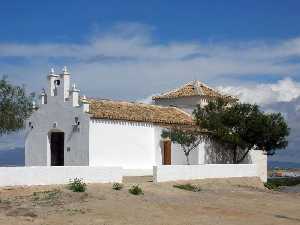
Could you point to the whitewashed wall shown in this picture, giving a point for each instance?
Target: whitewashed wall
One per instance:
(132, 145)
(178, 157)
(184, 172)
(260, 159)
(196, 156)
(188, 103)
(44, 175)
(37, 143)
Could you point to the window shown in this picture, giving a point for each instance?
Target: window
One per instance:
(57, 82)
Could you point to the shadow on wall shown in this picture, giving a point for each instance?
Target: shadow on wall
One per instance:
(12, 157)
(221, 154)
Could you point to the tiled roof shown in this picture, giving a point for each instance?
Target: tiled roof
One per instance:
(194, 88)
(139, 112)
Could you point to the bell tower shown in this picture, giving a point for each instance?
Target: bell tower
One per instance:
(52, 80)
(65, 79)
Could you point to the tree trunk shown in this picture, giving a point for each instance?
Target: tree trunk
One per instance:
(243, 157)
(235, 155)
(187, 159)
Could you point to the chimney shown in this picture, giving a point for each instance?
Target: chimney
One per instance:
(43, 97)
(51, 82)
(85, 104)
(75, 96)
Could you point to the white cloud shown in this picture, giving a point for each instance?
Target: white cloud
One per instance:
(127, 59)
(283, 91)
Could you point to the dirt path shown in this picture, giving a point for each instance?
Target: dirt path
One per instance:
(226, 202)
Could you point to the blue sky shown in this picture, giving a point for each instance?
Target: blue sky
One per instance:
(65, 21)
(134, 49)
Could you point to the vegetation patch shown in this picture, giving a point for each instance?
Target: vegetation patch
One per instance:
(5, 201)
(271, 186)
(188, 187)
(77, 185)
(276, 183)
(117, 186)
(75, 211)
(136, 190)
(5, 204)
(46, 195)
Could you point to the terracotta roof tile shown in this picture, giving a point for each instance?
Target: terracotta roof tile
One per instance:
(194, 88)
(139, 112)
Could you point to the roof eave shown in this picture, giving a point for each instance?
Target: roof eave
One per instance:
(143, 121)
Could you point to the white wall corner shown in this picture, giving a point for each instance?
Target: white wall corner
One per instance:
(260, 159)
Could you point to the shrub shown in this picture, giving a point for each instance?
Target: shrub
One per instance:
(271, 186)
(136, 190)
(188, 187)
(77, 185)
(117, 186)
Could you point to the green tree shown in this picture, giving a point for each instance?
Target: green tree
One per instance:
(242, 127)
(15, 107)
(188, 139)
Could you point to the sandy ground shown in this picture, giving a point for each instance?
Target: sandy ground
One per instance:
(226, 202)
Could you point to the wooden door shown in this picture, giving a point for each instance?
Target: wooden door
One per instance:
(167, 152)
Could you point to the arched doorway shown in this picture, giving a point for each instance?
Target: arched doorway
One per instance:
(57, 140)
